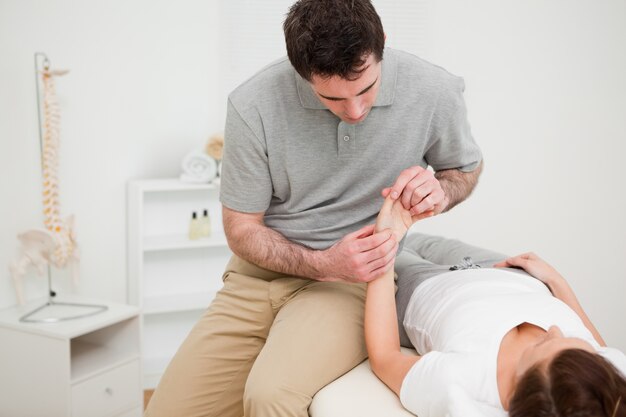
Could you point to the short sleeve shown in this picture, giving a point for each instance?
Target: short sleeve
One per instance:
(451, 144)
(447, 384)
(425, 387)
(460, 404)
(245, 183)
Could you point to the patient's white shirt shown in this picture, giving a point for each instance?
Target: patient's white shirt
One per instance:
(457, 320)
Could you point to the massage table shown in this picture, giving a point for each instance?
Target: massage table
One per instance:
(358, 393)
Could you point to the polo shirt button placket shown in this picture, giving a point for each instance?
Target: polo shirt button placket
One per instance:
(346, 137)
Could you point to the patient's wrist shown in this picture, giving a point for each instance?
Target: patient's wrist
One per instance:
(556, 283)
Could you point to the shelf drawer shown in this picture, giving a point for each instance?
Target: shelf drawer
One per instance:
(108, 393)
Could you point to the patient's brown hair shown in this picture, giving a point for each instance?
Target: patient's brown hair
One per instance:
(576, 383)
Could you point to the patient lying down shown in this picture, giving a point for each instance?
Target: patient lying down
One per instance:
(507, 333)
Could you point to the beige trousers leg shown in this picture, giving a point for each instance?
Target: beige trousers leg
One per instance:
(265, 346)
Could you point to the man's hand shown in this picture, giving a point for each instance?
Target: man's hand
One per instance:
(419, 192)
(360, 256)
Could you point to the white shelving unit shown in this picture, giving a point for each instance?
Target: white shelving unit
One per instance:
(79, 368)
(172, 278)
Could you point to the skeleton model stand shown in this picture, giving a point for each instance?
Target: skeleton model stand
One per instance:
(55, 245)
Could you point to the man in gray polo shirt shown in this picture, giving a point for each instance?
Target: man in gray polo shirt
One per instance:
(312, 144)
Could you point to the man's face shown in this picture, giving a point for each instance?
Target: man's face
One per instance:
(351, 101)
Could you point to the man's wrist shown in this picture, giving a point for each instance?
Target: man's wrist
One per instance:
(457, 185)
(447, 194)
(317, 263)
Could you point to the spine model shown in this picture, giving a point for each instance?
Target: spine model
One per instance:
(50, 159)
(56, 244)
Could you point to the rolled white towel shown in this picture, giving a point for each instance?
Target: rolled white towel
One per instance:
(198, 167)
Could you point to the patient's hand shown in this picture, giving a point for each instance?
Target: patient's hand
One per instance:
(394, 216)
(535, 266)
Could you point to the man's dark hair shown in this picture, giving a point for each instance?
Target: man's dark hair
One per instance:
(332, 37)
(576, 383)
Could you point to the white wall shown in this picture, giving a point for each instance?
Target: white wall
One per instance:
(545, 92)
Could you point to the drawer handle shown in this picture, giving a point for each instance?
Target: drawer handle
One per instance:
(109, 391)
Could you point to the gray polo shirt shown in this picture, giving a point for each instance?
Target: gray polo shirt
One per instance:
(317, 178)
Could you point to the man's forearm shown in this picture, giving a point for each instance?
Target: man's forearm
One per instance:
(458, 185)
(270, 250)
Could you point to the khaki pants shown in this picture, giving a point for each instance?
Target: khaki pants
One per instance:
(267, 343)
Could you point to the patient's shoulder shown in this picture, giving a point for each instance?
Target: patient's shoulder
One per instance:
(426, 387)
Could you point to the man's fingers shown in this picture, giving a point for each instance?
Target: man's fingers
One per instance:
(418, 217)
(361, 233)
(416, 189)
(379, 246)
(403, 179)
(420, 193)
(429, 202)
(421, 186)
(380, 271)
(371, 242)
(380, 262)
(366, 262)
(362, 263)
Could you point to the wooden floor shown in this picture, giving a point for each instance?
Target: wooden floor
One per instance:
(146, 397)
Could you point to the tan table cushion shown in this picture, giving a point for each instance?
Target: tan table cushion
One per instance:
(357, 393)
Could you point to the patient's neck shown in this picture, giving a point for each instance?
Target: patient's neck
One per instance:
(512, 346)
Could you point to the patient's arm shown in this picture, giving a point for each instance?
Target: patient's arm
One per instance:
(381, 325)
(393, 216)
(381, 334)
(559, 287)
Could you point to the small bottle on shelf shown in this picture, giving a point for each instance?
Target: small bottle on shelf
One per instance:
(206, 224)
(195, 231)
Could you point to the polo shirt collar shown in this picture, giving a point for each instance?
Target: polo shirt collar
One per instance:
(386, 92)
